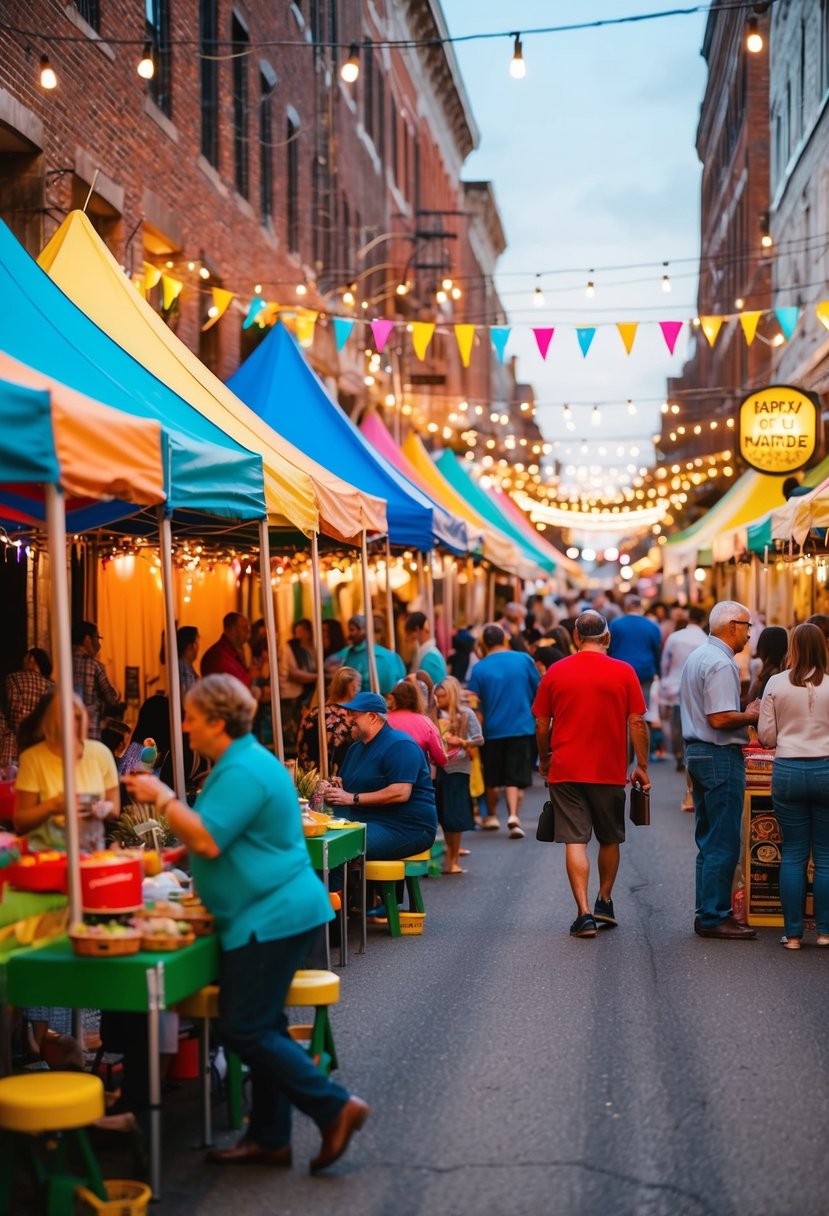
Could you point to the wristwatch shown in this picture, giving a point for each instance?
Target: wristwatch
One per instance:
(356, 799)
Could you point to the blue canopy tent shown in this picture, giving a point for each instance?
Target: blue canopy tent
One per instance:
(278, 384)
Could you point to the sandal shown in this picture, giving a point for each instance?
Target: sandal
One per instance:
(791, 943)
(516, 832)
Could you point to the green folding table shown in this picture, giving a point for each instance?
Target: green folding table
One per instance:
(337, 847)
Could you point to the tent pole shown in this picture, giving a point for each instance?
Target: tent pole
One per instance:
(369, 614)
(165, 545)
(429, 587)
(316, 591)
(390, 629)
(448, 602)
(62, 643)
(270, 632)
(490, 599)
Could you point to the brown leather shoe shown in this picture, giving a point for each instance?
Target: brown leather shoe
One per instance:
(337, 1134)
(248, 1152)
(728, 929)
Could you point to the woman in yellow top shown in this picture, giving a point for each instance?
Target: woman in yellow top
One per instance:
(40, 810)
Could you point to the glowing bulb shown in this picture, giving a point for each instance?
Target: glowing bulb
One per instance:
(754, 39)
(301, 289)
(348, 297)
(739, 303)
(766, 240)
(517, 67)
(446, 284)
(596, 416)
(631, 408)
(48, 79)
(402, 289)
(538, 297)
(456, 293)
(204, 273)
(440, 296)
(146, 67)
(212, 311)
(258, 289)
(666, 279)
(590, 289)
(351, 68)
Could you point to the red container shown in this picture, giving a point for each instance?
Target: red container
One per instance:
(111, 883)
(6, 802)
(185, 1065)
(42, 876)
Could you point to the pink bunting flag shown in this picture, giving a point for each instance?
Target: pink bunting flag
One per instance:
(543, 338)
(382, 331)
(670, 332)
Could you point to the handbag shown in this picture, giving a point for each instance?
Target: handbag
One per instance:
(546, 829)
(640, 806)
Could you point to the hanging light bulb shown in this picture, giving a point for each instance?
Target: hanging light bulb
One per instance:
(402, 289)
(765, 236)
(446, 284)
(538, 294)
(204, 273)
(146, 67)
(48, 79)
(590, 289)
(456, 293)
(517, 66)
(301, 289)
(739, 303)
(568, 413)
(631, 408)
(348, 295)
(596, 416)
(440, 296)
(351, 68)
(666, 278)
(754, 39)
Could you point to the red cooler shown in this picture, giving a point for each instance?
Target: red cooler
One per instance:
(111, 882)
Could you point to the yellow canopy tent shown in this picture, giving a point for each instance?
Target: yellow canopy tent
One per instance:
(751, 495)
(298, 491)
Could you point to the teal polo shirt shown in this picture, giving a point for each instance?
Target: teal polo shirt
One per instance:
(390, 667)
(262, 882)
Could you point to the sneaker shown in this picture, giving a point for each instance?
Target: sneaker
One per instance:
(516, 832)
(584, 926)
(603, 914)
(377, 913)
(491, 824)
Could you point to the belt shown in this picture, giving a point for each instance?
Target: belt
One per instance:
(705, 743)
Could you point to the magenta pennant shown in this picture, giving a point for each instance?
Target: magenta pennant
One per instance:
(382, 331)
(670, 332)
(543, 338)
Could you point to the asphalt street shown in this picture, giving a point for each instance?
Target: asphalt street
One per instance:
(514, 1071)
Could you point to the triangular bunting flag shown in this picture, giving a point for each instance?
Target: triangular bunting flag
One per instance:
(711, 327)
(788, 319)
(627, 332)
(465, 336)
(342, 330)
(421, 337)
(171, 289)
(305, 321)
(586, 336)
(382, 331)
(500, 336)
(670, 332)
(151, 276)
(543, 338)
(257, 306)
(221, 302)
(749, 322)
(822, 311)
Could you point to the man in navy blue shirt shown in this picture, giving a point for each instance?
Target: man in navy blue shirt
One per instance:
(636, 640)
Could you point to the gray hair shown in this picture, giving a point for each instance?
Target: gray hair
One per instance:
(724, 612)
(225, 697)
(591, 624)
(357, 619)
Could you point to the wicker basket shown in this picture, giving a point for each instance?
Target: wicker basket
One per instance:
(88, 946)
(124, 1198)
(160, 941)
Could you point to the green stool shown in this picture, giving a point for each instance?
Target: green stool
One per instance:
(317, 990)
(388, 874)
(42, 1118)
(417, 867)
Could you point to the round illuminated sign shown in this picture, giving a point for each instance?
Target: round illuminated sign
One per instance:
(778, 429)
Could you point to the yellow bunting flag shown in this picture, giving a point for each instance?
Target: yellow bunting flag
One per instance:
(822, 311)
(221, 302)
(171, 289)
(306, 319)
(711, 327)
(421, 337)
(151, 276)
(270, 314)
(749, 322)
(627, 332)
(465, 336)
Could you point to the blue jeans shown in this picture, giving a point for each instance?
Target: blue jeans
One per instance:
(718, 781)
(800, 792)
(254, 984)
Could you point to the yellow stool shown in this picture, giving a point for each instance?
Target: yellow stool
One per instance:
(388, 874)
(61, 1104)
(317, 990)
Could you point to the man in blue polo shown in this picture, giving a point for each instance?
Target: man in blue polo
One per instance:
(390, 666)
(637, 640)
(715, 731)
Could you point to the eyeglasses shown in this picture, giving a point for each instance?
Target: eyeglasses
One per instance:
(746, 623)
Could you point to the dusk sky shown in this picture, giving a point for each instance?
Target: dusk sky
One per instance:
(593, 163)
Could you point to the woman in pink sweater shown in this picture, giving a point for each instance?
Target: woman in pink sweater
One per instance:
(406, 713)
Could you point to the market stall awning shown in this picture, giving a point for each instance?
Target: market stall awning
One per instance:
(457, 476)
(50, 434)
(795, 519)
(298, 491)
(751, 495)
(205, 471)
(278, 384)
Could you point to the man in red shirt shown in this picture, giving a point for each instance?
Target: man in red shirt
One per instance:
(584, 708)
(227, 656)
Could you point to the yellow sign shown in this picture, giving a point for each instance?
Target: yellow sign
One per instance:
(778, 429)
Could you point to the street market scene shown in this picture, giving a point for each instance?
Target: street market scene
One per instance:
(414, 558)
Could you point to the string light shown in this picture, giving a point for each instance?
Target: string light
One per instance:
(739, 303)
(631, 408)
(596, 416)
(48, 79)
(590, 289)
(146, 67)
(348, 295)
(754, 39)
(351, 68)
(517, 67)
(538, 294)
(301, 289)
(666, 278)
(401, 289)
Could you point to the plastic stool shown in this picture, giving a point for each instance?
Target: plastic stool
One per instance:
(61, 1104)
(388, 874)
(317, 990)
(203, 1006)
(417, 867)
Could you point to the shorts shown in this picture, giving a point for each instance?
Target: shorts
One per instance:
(582, 808)
(509, 761)
(453, 802)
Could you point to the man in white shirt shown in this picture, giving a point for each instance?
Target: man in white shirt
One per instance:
(678, 646)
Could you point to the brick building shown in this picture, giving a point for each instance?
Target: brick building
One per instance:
(247, 160)
(735, 266)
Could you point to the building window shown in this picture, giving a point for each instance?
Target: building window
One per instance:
(90, 10)
(292, 200)
(208, 49)
(240, 45)
(266, 88)
(157, 14)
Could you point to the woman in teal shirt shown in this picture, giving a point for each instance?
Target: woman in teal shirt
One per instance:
(252, 869)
